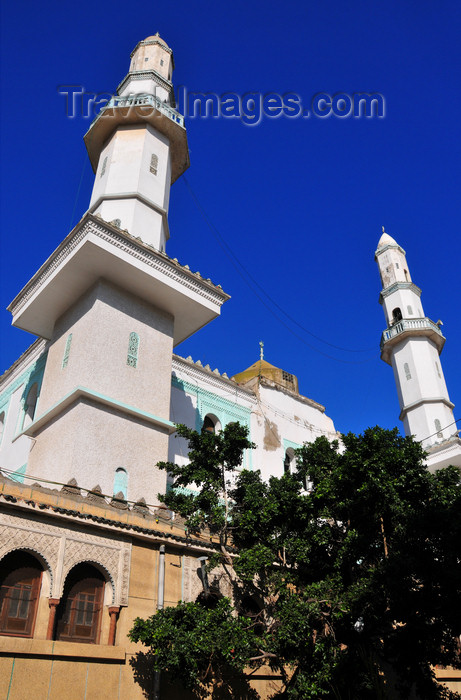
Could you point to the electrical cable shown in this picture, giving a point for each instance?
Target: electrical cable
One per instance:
(236, 262)
(78, 192)
(81, 488)
(439, 431)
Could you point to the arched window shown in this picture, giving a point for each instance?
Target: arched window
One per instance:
(121, 482)
(19, 594)
(30, 406)
(133, 347)
(80, 610)
(251, 609)
(210, 424)
(438, 428)
(406, 369)
(438, 369)
(289, 461)
(65, 359)
(396, 315)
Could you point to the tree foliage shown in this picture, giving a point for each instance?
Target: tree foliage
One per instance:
(349, 590)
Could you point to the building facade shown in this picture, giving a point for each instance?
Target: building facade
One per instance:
(90, 408)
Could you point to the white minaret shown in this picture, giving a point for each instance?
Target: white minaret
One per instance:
(110, 301)
(412, 344)
(138, 147)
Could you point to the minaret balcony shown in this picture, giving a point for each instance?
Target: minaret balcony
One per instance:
(410, 328)
(125, 110)
(143, 100)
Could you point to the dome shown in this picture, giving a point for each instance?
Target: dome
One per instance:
(158, 38)
(386, 240)
(261, 369)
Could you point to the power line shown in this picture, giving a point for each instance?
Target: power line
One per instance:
(10, 472)
(240, 267)
(439, 431)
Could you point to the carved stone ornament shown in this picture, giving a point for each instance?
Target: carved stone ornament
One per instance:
(60, 548)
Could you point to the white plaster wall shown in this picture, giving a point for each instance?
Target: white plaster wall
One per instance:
(151, 57)
(89, 442)
(420, 422)
(101, 323)
(403, 298)
(276, 416)
(146, 87)
(392, 266)
(421, 355)
(136, 218)
(14, 451)
(127, 171)
(281, 416)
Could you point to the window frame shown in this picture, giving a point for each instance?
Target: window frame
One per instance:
(34, 597)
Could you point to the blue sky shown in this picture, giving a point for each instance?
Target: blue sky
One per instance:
(300, 202)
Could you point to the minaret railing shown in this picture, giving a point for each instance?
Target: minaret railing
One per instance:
(409, 324)
(142, 100)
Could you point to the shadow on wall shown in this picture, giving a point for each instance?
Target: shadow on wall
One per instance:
(226, 688)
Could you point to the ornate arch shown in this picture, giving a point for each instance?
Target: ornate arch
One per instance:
(35, 552)
(94, 562)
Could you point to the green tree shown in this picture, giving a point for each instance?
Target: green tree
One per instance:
(350, 590)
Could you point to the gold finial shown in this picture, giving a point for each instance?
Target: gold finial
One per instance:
(383, 229)
(261, 352)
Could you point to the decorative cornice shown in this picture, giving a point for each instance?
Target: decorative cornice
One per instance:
(134, 195)
(146, 75)
(203, 374)
(420, 402)
(151, 42)
(378, 251)
(33, 499)
(37, 349)
(399, 285)
(210, 397)
(92, 224)
(80, 392)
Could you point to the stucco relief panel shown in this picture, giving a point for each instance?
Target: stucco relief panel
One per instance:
(63, 547)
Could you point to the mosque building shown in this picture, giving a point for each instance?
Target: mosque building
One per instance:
(90, 408)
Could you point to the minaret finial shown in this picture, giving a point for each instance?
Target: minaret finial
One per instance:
(261, 353)
(383, 229)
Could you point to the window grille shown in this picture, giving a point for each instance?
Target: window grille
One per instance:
(438, 369)
(19, 594)
(406, 369)
(133, 347)
(438, 427)
(153, 164)
(287, 377)
(103, 169)
(79, 612)
(65, 358)
(410, 310)
(121, 482)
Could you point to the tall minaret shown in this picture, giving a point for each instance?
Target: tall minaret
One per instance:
(412, 344)
(138, 147)
(110, 301)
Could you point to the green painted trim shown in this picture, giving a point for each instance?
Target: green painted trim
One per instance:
(290, 443)
(19, 474)
(35, 368)
(65, 359)
(81, 391)
(34, 373)
(225, 411)
(400, 285)
(133, 350)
